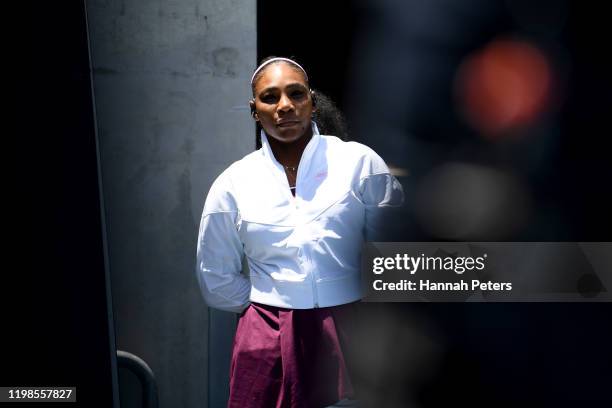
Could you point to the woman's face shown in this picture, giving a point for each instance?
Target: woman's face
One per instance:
(283, 103)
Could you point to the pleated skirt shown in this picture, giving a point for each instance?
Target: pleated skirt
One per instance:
(290, 358)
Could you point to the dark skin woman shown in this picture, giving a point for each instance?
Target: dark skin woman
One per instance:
(283, 106)
(298, 303)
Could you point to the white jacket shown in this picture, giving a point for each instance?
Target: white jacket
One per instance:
(303, 251)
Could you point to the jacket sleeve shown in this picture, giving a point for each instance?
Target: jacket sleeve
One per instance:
(378, 189)
(220, 252)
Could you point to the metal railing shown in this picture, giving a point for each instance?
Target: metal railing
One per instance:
(144, 374)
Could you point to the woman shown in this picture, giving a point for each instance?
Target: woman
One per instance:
(297, 209)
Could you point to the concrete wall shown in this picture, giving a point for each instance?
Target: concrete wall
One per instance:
(171, 82)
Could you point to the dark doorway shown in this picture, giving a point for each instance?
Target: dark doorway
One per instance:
(57, 299)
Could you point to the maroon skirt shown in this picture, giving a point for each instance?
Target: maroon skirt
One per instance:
(288, 358)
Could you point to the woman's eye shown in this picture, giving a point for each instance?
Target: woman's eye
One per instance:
(267, 98)
(297, 94)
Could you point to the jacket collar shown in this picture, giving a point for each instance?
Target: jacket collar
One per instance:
(306, 158)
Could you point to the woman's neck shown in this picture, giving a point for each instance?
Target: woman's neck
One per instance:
(289, 154)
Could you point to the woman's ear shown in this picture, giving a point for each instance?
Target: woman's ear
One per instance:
(313, 96)
(253, 111)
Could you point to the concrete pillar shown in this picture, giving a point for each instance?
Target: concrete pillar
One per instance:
(171, 81)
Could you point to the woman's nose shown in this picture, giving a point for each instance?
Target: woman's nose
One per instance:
(285, 104)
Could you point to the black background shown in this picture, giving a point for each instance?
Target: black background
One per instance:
(514, 354)
(54, 312)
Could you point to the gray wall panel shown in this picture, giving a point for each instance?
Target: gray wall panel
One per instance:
(171, 82)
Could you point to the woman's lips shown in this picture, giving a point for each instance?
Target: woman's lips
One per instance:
(288, 123)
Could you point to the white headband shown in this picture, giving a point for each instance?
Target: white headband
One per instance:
(278, 59)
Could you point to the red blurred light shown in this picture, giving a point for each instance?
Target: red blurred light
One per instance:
(505, 86)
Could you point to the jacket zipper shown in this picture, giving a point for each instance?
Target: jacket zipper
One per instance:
(312, 273)
(314, 290)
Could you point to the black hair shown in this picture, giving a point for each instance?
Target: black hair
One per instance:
(328, 117)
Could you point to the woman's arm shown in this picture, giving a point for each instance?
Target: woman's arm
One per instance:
(220, 252)
(378, 189)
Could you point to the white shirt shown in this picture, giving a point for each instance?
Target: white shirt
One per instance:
(304, 251)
